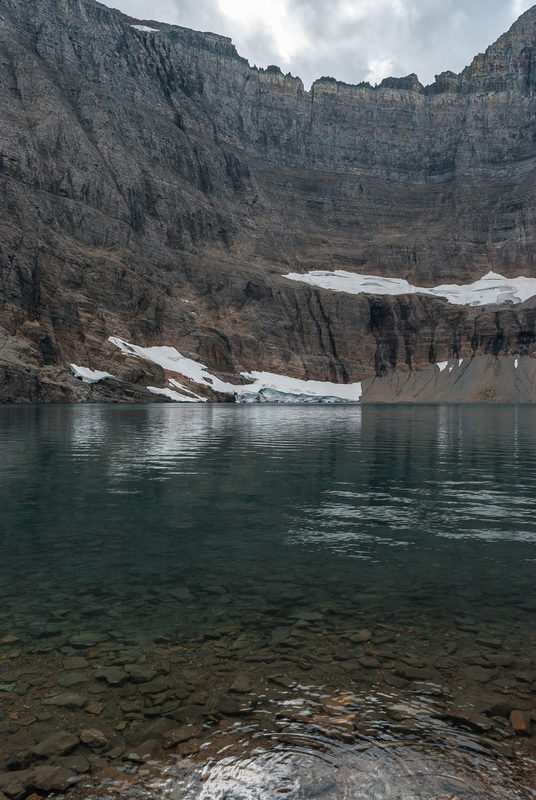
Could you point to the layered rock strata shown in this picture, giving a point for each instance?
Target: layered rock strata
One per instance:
(156, 187)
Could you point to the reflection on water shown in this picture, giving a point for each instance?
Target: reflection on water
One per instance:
(354, 499)
(374, 549)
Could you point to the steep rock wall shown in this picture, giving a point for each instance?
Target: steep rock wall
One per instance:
(139, 170)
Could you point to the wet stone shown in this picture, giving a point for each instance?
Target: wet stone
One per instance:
(155, 686)
(94, 739)
(145, 751)
(66, 700)
(307, 616)
(95, 708)
(369, 662)
(113, 676)
(189, 715)
(241, 685)
(13, 784)
(76, 763)
(71, 679)
(479, 674)
(362, 636)
(140, 674)
(75, 662)
(396, 681)
(199, 698)
(56, 745)
(488, 641)
(179, 735)
(283, 680)
(190, 748)
(48, 778)
(232, 705)
(521, 723)
(84, 640)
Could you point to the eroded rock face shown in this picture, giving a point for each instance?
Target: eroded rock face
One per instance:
(141, 170)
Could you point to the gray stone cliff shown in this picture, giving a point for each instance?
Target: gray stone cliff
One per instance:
(142, 169)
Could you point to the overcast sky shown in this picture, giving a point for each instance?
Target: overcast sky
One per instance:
(352, 40)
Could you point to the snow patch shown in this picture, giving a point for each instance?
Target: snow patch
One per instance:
(460, 362)
(442, 365)
(271, 386)
(179, 398)
(178, 385)
(89, 375)
(491, 289)
(169, 358)
(145, 29)
(516, 363)
(350, 392)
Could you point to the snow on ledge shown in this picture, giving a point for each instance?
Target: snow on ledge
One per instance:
(490, 290)
(89, 375)
(264, 386)
(178, 398)
(145, 29)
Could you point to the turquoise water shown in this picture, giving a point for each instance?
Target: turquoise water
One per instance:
(416, 511)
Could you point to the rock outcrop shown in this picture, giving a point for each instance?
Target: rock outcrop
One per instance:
(156, 187)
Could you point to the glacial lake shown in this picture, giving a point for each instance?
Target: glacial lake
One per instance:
(327, 543)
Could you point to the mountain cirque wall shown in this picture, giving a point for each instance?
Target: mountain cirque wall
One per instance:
(155, 187)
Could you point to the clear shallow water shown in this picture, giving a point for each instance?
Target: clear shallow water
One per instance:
(414, 522)
(428, 508)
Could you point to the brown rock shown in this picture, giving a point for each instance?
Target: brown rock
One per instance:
(113, 676)
(144, 752)
(95, 708)
(396, 681)
(51, 779)
(188, 715)
(369, 662)
(521, 723)
(284, 680)
(155, 686)
(94, 738)
(363, 636)
(72, 678)
(76, 763)
(56, 745)
(190, 748)
(66, 700)
(180, 735)
(199, 698)
(241, 685)
(237, 706)
(139, 674)
(13, 784)
(75, 662)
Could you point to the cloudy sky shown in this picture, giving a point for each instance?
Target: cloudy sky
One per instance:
(352, 40)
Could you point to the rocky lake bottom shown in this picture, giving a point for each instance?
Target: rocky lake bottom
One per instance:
(251, 603)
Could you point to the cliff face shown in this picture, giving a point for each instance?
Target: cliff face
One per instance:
(140, 170)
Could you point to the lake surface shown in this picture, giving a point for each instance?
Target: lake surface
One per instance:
(416, 523)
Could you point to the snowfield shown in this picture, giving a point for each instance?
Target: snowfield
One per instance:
(492, 289)
(265, 387)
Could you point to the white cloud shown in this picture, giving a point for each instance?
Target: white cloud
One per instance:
(379, 68)
(352, 40)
